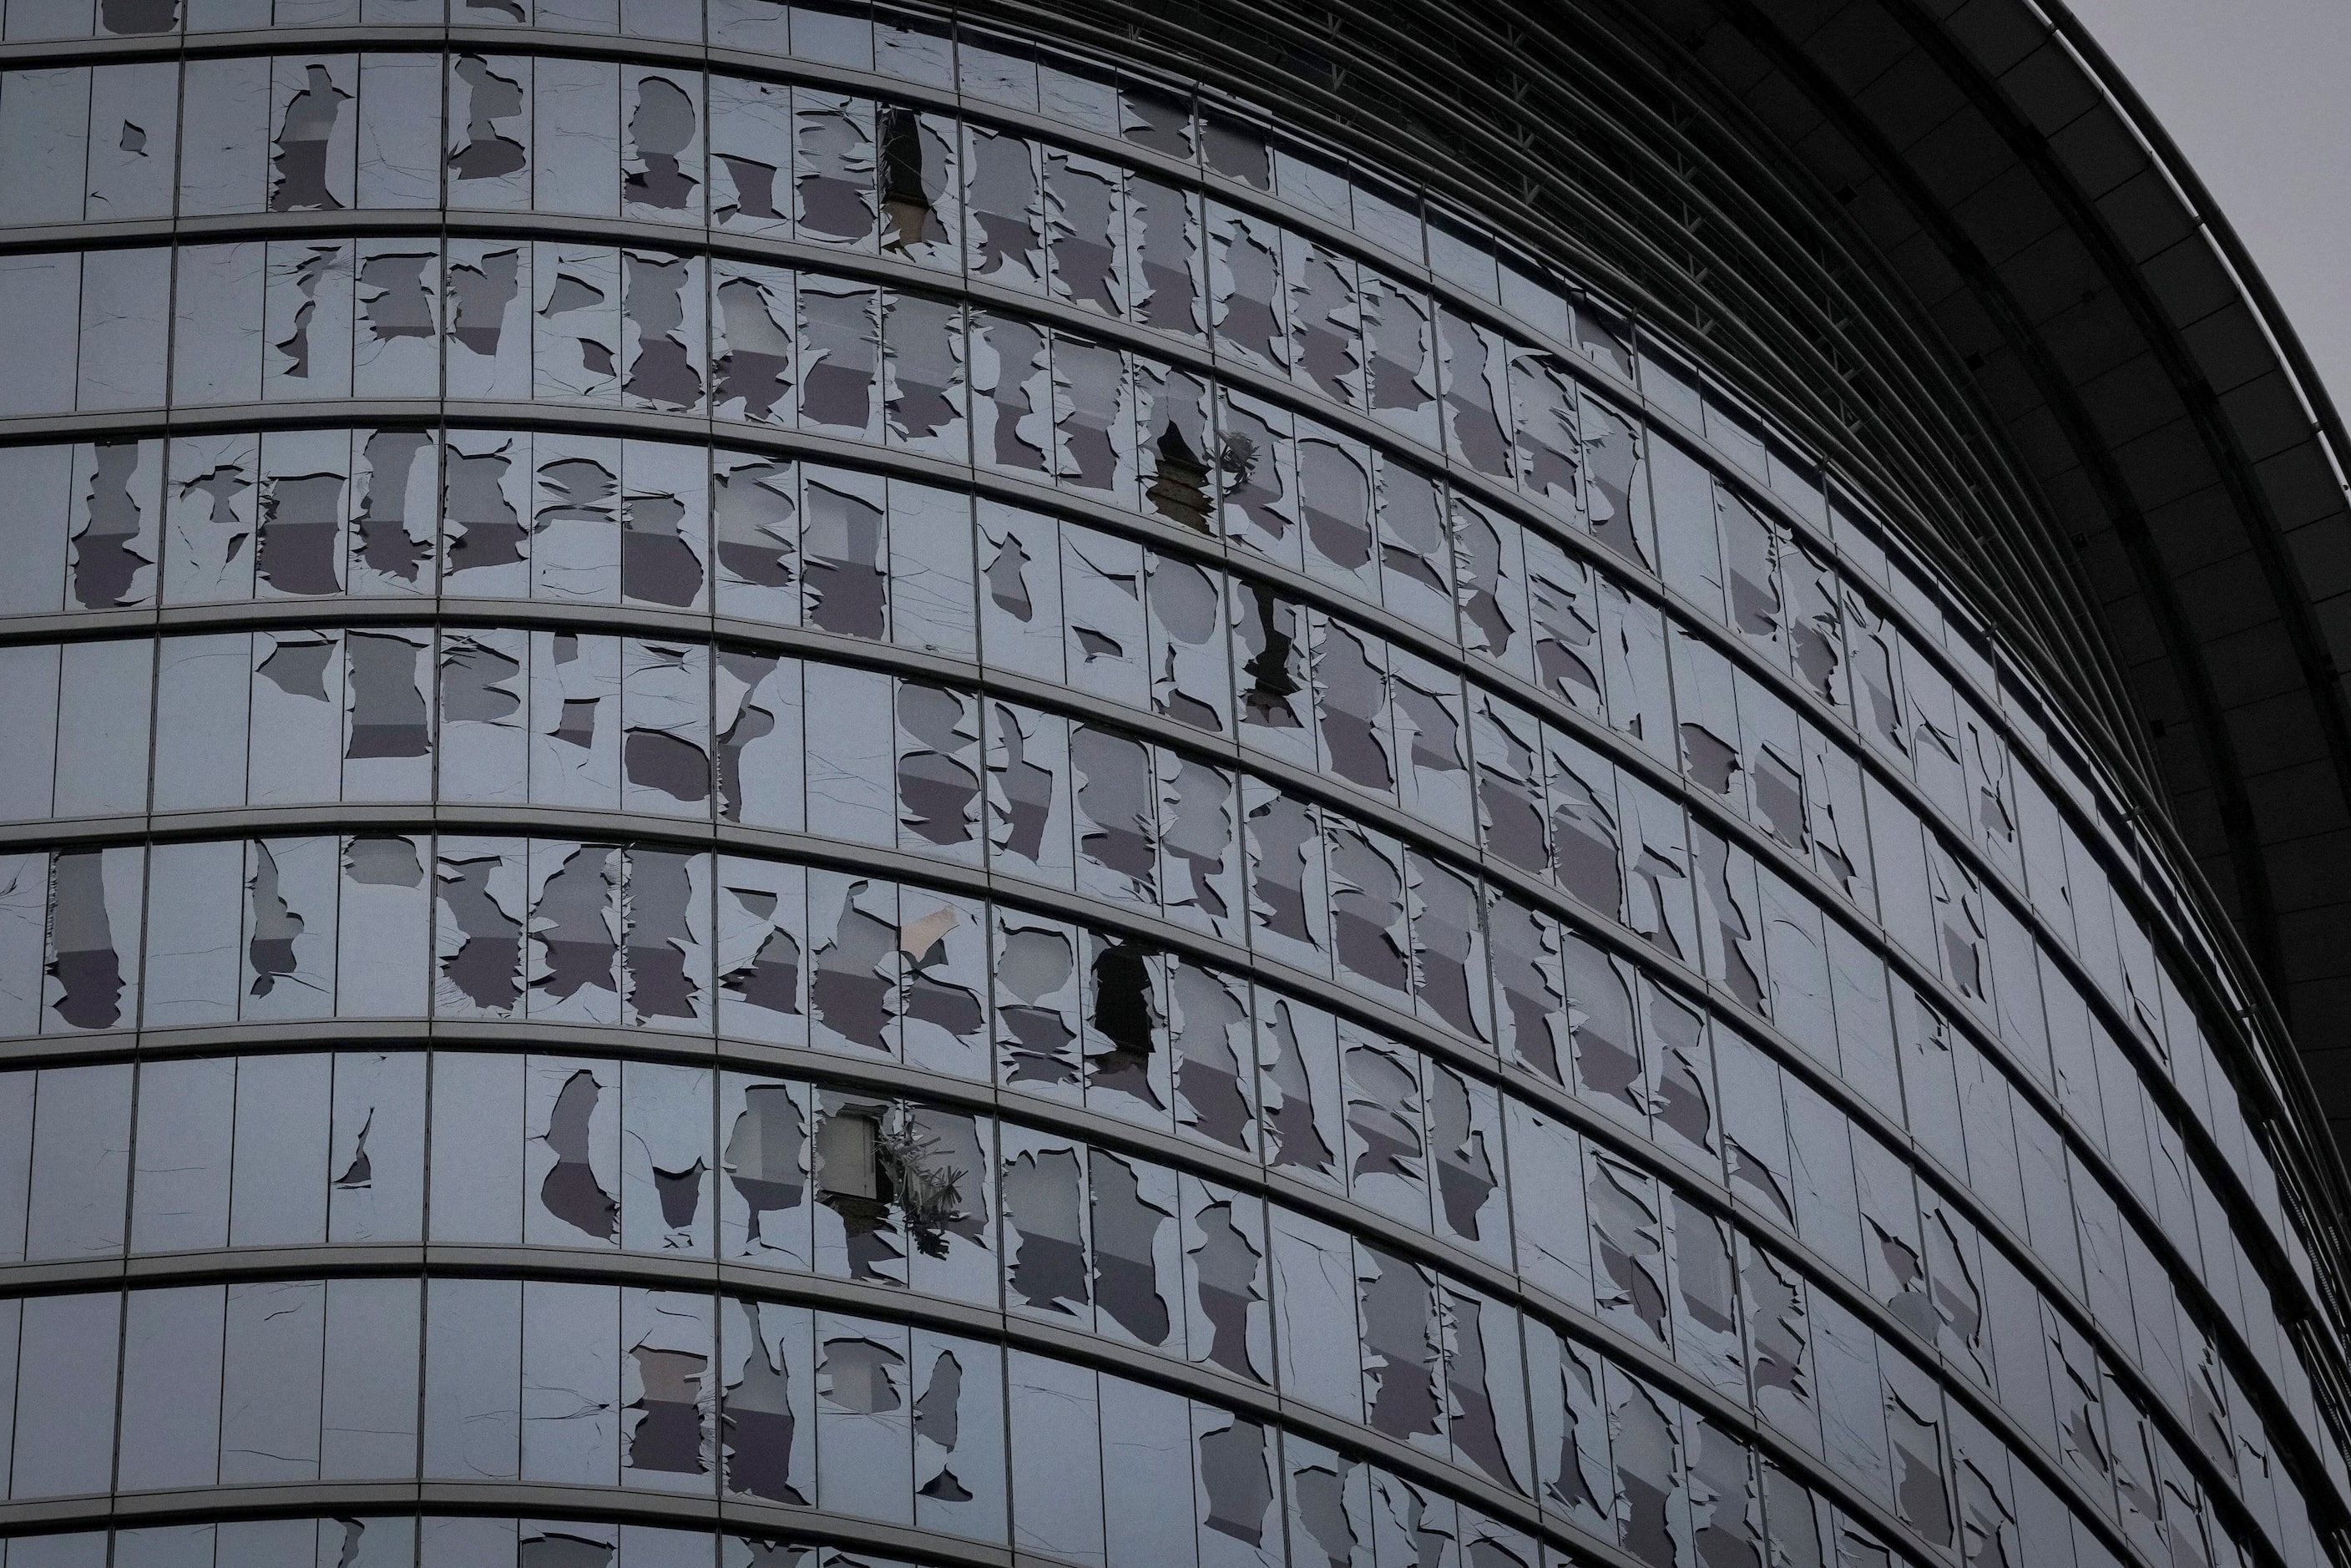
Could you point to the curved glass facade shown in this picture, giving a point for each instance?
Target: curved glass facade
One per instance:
(787, 787)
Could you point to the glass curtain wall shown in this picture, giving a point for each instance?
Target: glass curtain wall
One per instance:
(794, 787)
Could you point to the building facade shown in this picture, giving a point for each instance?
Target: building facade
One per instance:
(1068, 785)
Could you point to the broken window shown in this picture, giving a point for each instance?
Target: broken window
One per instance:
(1037, 995)
(478, 930)
(835, 193)
(1271, 652)
(1043, 1186)
(1029, 794)
(756, 528)
(664, 331)
(1705, 1298)
(921, 191)
(661, 158)
(1729, 928)
(1433, 742)
(958, 1415)
(1127, 1072)
(114, 523)
(761, 941)
(1086, 227)
(1511, 810)
(858, 1233)
(1102, 599)
(1245, 283)
(1914, 1425)
(767, 1416)
(574, 1153)
(1135, 1247)
(1400, 345)
(1485, 1384)
(1012, 410)
(1257, 471)
(751, 135)
(575, 932)
(1236, 1484)
(1167, 256)
(1564, 626)
(1476, 373)
(1465, 1120)
(925, 388)
(489, 297)
(1602, 1025)
(1290, 901)
(297, 716)
(1174, 444)
(765, 1157)
(1403, 1349)
(665, 1387)
(853, 984)
(1774, 764)
(839, 358)
(1189, 647)
(1208, 1034)
(945, 944)
(1529, 995)
(394, 484)
(1351, 700)
(665, 1166)
(1335, 503)
(1660, 902)
(846, 581)
(483, 681)
(489, 127)
(1326, 349)
(751, 350)
(1628, 1248)
(578, 326)
(574, 521)
(1330, 1505)
(664, 507)
(1816, 625)
(307, 303)
(1651, 1477)
(1225, 1263)
(1116, 797)
(938, 770)
(1199, 864)
(1298, 1049)
(1680, 1088)
(1093, 418)
(385, 894)
(209, 518)
(1586, 841)
(1388, 1148)
(1005, 207)
(1449, 967)
(576, 711)
(1368, 914)
(665, 949)
(1779, 1337)
(290, 886)
(1571, 1449)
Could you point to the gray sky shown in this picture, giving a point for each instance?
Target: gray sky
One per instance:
(2255, 92)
